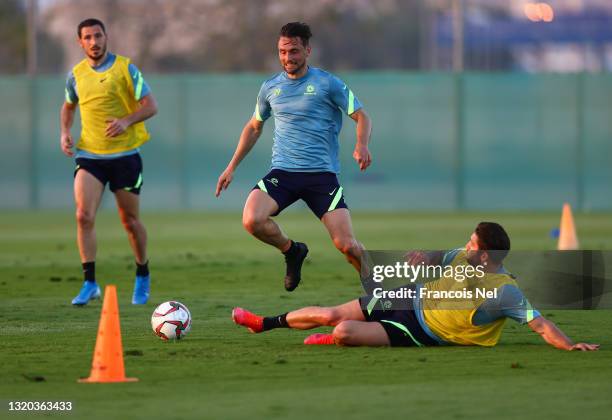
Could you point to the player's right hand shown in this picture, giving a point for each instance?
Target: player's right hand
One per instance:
(362, 156)
(67, 144)
(224, 180)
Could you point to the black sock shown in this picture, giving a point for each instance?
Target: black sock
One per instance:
(271, 322)
(89, 271)
(292, 248)
(142, 270)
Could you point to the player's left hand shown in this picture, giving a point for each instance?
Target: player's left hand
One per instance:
(584, 347)
(362, 156)
(116, 126)
(416, 258)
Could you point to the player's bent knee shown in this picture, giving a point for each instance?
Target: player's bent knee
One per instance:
(85, 218)
(343, 333)
(330, 316)
(252, 223)
(346, 245)
(248, 223)
(130, 224)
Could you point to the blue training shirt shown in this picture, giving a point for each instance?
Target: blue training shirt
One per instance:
(72, 97)
(307, 119)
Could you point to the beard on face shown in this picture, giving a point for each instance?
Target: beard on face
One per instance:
(297, 69)
(95, 54)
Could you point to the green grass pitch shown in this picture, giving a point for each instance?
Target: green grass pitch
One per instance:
(211, 264)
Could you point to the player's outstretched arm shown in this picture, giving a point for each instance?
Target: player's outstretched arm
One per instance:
(148, 108)
(66, 120)
(555, 337)
(361, 154)
(250, 133)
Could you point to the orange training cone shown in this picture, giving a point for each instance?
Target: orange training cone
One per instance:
(568, 240)
(107, 363)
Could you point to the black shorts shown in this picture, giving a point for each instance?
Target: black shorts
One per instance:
(319, 190)
(122, 173)
(401, 325)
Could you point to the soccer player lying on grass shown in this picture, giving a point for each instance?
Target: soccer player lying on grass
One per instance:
(424, 321)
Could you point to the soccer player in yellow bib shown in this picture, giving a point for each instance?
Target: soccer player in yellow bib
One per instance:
(430, 321)
(114, 100)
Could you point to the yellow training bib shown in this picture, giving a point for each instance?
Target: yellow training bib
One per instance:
(451, 319)
(103, 96)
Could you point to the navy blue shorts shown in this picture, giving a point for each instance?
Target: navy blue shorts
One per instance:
(401, 325)
(319, 190)
(122, 173)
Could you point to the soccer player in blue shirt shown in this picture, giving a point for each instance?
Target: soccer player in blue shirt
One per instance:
(307, 104)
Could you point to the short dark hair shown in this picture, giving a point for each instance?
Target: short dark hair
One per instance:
(492, 236)
(90, 22)
(297, 29)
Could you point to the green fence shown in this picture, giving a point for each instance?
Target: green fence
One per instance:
(440, 141)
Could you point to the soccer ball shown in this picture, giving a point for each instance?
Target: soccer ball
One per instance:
(171, 320)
